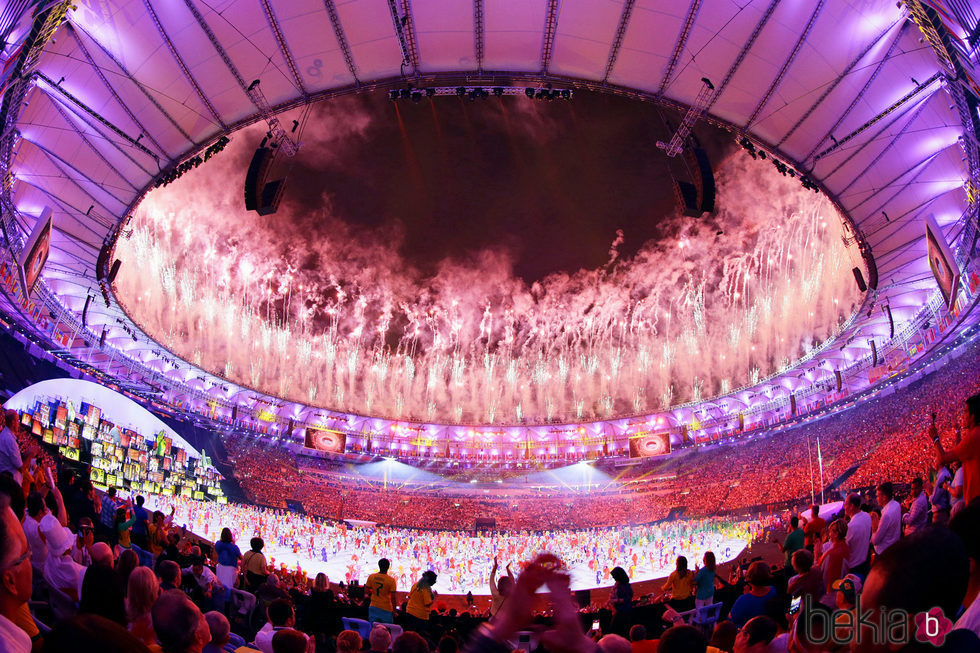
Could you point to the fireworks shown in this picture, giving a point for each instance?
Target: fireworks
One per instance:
(340, 320)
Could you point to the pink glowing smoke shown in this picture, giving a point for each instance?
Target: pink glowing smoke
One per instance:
(308, 307)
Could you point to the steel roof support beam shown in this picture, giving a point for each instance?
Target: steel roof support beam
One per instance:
(858, 96)
(71, 208)
(287, 55)
(827, 91)
(95, 150)
(911, 181)
(786, 64)
(891, 144)
(894, 107)
(743, 52)
(81, 105)
(65, 109)
(183, 66)
(408, 23)
(58, 162)
(98, 71)
(338, 30)
(692, 15)
(139, 85)
(924, 164)
(550, 29)
(252, 90)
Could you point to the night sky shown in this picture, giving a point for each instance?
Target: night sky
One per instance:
(548, 181)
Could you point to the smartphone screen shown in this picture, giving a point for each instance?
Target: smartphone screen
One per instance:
(595, 625)
(794, 605)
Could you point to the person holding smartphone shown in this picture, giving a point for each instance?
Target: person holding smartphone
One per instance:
(967, 449)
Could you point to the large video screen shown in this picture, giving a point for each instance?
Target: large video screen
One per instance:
(323, 440)
(649, 444)
(941, 262)
(117, 456)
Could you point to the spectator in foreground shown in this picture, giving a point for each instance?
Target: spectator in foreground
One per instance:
(808, 581)
(680, 584)
(622, 602)
(91, 633)
(420, 601)
(348, 641)
(15, 581)
(756, 635)
(723, 638)
(220, 630)
(639, 641)
(760, 591)
(889, 526)
(613, 643)
(381, 590)
(280, 615)
(290, 640)
(179, 624)
(499, 589)
(966, 451)
(927, 569)
(141, 595)
(794, 542)
(918, 515)
(813, 530)
(101, 592)
(858, 536)
(682, 639)
(379, 639)
(255, 565)
(966, 526)
(704, 582)
(229, 555)
(833, 562)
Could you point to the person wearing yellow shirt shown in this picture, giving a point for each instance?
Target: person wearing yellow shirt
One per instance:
(381, 588)
(680, 584)
(420, 601)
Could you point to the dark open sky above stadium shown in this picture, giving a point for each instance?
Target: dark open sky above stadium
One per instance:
(549, 181)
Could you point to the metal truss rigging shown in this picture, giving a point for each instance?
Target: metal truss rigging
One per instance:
(744, 52)
(183, 66)
(786, 64)
(692, 15)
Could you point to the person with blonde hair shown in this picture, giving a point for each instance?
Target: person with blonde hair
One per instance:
(141, 594)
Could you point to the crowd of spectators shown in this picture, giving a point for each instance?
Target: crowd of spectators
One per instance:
(884, 438)
(82, 570)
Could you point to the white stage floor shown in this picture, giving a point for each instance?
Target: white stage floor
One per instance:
(463, 561)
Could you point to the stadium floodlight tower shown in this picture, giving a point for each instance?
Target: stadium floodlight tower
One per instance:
(676, 144)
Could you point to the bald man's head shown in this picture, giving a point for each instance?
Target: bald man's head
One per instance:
(101, 555)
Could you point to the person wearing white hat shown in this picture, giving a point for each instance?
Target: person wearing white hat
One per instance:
(60, 571)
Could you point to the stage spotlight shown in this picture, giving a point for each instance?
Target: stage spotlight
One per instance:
(460, 91)
(566, 94)
(416, 96)
(430, 92)
(529, 92)
(498, 91)
(406, 93)
(392, 95)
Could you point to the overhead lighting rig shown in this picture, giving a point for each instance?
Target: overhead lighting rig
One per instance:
(480, 92)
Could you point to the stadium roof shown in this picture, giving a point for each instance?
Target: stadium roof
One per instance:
(874, 101)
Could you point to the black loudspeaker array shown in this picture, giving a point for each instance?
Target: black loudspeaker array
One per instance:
(862, 286)
(874, 354)
(696, 198)
(262, 195)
